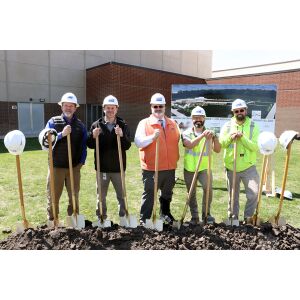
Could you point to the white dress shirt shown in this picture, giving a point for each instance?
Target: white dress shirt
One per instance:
(141, 139)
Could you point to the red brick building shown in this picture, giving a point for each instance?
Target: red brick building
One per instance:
(133, 86)
(288, 94)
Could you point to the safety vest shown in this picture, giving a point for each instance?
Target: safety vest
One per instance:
(246, 146)
(191, 156)
(168, 145)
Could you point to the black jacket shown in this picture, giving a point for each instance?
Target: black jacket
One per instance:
(108, 147)
(78, 142)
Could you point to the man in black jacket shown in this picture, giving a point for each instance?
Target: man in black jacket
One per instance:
(107, 129)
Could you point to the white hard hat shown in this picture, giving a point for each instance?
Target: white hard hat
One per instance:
(267, 142)
(110, 100)
(286, 194)
(286, 137)
(43, 138)
(198, 111)
(158, 99)
(15, 141)
(238, 103)
(70, 98)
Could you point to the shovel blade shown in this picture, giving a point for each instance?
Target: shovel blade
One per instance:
(231, 222)
(20, 228)
(281, 221)
(77, 221)
(50, 224)
(104, 224)
(128, 222)
(158, 225)
(149, 224)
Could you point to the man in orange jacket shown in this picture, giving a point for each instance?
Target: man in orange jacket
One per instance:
(158, 126)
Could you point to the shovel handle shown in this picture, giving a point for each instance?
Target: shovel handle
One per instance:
(208, 178)
(98, 178)
(71, 175)
(262, 177)
(287, 159)
(155, 179)
(22, 206)
(233, 177)
(194, 181)
(122, 173)
(52, 187)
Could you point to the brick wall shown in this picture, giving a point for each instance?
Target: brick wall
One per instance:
(53, 109)
(288, 94)
(133, 86)
(8, 117)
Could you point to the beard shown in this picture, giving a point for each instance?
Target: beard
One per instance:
(158, 113)
(198, 124)
(68, 114)
(240, 117)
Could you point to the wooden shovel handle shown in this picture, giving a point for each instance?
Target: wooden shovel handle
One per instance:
(208, 178)
(262, 175)
(51, 170)
(22, 206)
(287, 159)
(194, 181)
(155, 179)
(122, 173)
(71, 174)
(98, 178)
(233, 177)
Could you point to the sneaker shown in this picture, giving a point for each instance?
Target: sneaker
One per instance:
(195, 221)
(142, 223)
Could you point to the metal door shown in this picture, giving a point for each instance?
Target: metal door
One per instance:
(31, 118)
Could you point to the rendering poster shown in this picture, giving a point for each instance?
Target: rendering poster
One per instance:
(216, 100)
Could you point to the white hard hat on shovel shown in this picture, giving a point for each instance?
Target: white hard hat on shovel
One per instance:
(43, 138)
(286, 137)
(267, 142)
(15, 141)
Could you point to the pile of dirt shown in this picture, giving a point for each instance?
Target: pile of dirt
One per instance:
(214, 237)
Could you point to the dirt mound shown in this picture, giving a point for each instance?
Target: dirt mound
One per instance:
(217, 236)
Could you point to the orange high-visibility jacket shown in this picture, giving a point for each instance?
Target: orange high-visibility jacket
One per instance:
(168, 145)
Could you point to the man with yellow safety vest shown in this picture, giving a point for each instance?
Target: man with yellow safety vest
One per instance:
(158, 126)
(244, 132)
(193, 140)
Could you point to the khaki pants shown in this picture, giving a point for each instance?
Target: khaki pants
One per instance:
(202, 178)
(105, 179)
(250, 179)
(61, 179)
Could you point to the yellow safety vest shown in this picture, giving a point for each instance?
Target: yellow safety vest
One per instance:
(191, 156)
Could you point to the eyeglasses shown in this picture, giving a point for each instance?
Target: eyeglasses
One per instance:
(157, 106)
(239, 111)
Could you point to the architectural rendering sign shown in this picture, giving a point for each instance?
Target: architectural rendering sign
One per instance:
(216, 99)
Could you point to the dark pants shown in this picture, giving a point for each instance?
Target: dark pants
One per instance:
(166, 182)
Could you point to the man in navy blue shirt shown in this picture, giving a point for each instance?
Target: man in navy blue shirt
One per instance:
(66, 123)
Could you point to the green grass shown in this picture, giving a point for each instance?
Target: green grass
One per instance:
(34, 172)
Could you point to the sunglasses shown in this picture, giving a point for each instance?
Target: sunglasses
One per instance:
(157, 106)
(239, 111)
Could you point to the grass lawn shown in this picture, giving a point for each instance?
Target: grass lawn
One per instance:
(34, 172)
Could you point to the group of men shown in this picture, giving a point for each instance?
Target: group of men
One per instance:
(240, 130)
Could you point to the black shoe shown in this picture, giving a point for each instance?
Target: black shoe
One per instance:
(166, 219)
